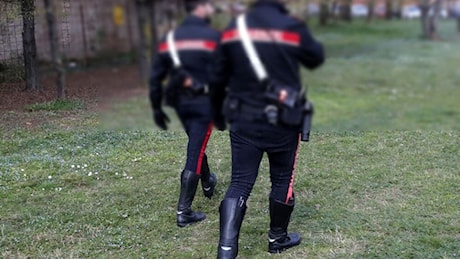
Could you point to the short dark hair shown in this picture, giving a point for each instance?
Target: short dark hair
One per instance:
(190, 5)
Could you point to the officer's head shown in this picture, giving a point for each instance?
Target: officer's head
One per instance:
(200, 8)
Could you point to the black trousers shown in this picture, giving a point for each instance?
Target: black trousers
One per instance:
(195, 116)
(249, 141)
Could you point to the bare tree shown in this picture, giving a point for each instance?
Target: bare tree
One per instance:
(370, 8)
(399, 5)
(424, 8)
(458, 23)
(180, 9)
(345, 10)
(388, 9)
(324, 12)
(29, 45)
(456, 12)
(429, 20)
(153, 25)
(55, 51)
(142, 54)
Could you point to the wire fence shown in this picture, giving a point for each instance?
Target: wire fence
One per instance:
(87, 31)
(11, 60)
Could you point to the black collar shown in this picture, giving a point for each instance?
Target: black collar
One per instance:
(272, 4)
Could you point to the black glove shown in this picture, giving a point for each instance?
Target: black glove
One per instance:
(160, 118)
(219, 122)
(176, 82)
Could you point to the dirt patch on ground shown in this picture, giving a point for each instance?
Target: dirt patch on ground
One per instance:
(95, 87)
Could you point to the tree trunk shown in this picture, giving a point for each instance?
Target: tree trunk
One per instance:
(399, 4)
(370, 8)
(456, 12)
(388, 9)
(55, 52)
(433, 20)
(180, 13)
(83, 33)
(424, 19)
(29, 45)
(458, 23)
(345, 11)
(323, 13)
(153, 27)
(334, 10)
(143, 59)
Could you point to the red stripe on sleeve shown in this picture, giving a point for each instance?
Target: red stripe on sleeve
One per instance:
(163, 47)
(210, 45)
(293, 38)
(229, 35)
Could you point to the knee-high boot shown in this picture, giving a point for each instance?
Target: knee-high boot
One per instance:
(232, 212)
(185, 215)
(278, 237)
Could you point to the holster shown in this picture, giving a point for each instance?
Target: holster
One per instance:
(292, 109)
(289, 102)
(281, 94)
(292, 116)
(308, 112)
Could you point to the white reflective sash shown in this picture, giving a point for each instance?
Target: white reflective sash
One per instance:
(172, 49)
(249, 48)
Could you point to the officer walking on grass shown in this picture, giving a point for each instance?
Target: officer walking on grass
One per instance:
(184, 55)
(258, 89)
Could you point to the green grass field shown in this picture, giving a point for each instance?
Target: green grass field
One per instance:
(379, 179)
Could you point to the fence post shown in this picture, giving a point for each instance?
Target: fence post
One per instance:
(83, 34)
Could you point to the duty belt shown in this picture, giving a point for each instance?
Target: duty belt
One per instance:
(251, 113)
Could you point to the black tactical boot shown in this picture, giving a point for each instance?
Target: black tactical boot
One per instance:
(208, 184)
(278, 238)
(231, 217)
(185, 215)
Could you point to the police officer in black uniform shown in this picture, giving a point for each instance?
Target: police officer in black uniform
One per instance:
(193, 43)
(265, 114)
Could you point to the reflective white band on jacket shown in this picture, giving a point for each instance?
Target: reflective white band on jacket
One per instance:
(249, 48)
(172, 49)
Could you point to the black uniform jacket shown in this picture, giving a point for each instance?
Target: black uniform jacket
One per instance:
(195, 42)
(282, 43)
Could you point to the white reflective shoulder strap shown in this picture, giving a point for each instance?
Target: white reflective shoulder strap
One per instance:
(249, 48)
(172, 49)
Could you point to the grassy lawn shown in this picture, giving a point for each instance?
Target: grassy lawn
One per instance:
(380, 177)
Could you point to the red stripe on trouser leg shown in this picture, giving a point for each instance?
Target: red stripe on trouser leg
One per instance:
(291, 183)
(203, 149)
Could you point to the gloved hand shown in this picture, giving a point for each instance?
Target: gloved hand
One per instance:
(160, 118)
(219, 122)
